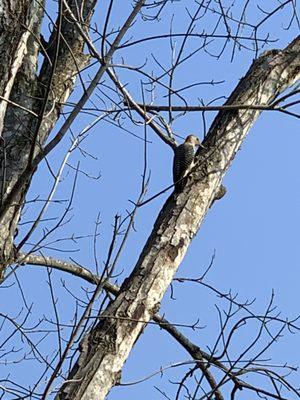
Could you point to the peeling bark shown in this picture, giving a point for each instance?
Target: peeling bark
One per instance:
(107, 346)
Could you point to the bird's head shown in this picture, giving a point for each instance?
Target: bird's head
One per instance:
(193, 140)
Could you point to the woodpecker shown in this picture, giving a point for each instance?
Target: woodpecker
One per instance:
(184, 160)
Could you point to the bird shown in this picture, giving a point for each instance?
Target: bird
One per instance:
(184, 160)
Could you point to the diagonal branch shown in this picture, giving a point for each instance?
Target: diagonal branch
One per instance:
(203, 359)
(58, 137)
(110, 342)
(104, 60)
(61, 83)
(87, 275)
(139, 108)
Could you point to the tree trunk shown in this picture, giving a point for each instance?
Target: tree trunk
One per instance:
(26, 123)
(19, 52)
(105, 349)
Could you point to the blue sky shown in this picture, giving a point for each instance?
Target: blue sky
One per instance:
(253, 230)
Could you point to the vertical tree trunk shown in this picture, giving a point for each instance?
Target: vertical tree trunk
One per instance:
(25, 129)
(19, 25)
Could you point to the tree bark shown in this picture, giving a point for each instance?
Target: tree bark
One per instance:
(105, 349)
(25, 129)
(19, 52)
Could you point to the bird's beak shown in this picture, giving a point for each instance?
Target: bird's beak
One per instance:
(200, 145)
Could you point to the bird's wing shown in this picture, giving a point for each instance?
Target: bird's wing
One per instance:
(183, 157)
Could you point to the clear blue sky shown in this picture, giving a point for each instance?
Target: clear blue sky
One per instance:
(254, 229)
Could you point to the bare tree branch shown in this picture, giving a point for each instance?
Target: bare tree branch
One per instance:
(79, 336)
(176, 225)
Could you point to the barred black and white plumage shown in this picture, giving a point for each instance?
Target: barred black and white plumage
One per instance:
(183, 161)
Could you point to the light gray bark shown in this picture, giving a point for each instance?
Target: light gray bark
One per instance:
(107, 346)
